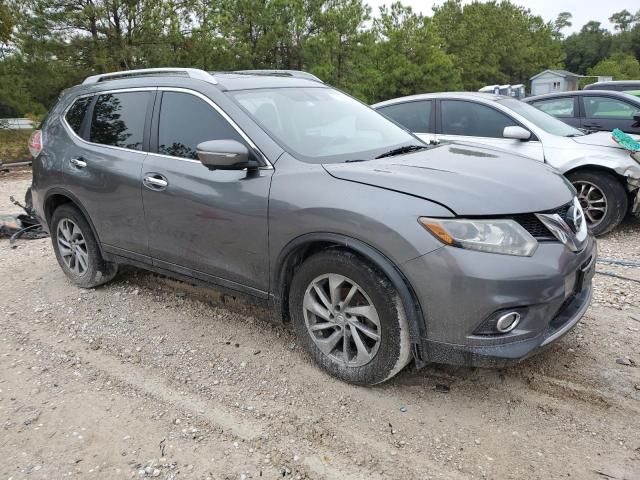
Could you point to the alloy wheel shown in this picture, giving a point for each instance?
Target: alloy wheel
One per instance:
(342, 320)
(592, 200)
(72, 246)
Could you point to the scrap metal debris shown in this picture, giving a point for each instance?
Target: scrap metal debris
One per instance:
(23, 225)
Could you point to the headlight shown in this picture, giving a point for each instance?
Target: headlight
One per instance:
(506, 237)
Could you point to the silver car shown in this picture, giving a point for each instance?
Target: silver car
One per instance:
(606, 176)
(374, 247)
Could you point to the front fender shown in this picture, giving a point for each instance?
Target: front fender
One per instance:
(621, 163)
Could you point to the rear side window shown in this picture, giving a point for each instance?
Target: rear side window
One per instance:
(414, 116)
(558, 107)
(605, 107)
(186, 121)
(118, 119)
(471, 119)
(75, 114)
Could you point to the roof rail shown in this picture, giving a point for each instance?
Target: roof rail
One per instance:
(281, 73)
(190, 72)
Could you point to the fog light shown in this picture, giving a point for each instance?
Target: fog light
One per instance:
(508, 322)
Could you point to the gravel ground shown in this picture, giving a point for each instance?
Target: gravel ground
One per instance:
(151, 378)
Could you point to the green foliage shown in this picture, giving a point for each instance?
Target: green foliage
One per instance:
(408, 52)
(587, 48)
(620, 66)
(497, 42)
(6, 22)
(49, 45)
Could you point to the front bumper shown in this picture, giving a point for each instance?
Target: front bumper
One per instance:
(459, 289)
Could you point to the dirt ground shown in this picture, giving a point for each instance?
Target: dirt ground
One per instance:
(147, 377)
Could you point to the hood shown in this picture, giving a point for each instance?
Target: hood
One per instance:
(600, 139)
(468, 180)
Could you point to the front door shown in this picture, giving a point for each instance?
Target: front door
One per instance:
(604, 113)
(211, 224)
(468, 121)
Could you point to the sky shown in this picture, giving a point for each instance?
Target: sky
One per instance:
(582, 10)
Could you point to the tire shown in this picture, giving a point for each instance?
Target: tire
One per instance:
(601, 185)
(68, 223)
(382, 358)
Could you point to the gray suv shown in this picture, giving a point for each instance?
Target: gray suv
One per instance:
(376, 248)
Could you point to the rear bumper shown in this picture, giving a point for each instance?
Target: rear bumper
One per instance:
(460, 290)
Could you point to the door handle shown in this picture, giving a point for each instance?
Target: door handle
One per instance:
(78, 162)
(155, 181)
(593, 125)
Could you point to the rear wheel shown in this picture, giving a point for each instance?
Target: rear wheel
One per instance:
(349, 318)
(603, 199)
(77, 250)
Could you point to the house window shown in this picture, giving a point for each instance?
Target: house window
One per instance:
(556, 85)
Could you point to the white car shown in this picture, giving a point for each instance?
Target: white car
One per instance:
(605, 175)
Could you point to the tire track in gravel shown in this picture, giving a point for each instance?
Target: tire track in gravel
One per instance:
(324, 464)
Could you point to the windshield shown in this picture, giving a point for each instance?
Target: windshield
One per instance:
(322, 125)
(541, 119)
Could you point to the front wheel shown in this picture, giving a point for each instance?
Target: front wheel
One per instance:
(603, 199)
(349, 318)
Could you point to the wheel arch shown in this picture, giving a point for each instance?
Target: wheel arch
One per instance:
(59, 196)
(301, 248)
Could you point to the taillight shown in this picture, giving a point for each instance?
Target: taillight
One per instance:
(35, 143)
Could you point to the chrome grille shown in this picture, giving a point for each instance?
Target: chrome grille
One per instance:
(535, 227)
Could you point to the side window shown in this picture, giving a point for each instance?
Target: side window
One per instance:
(605, 107)
(118, 119)
(75, 114)
(186, 121)
(558, 107)
(471, 119)
(414, 116)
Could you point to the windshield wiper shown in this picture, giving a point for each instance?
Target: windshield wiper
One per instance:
(401, 150)
(354, 160)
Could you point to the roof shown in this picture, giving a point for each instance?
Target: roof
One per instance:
(560, 73)
(235, 80)
(246, 81)
(614, 82)
(585, 93)
(491, 97)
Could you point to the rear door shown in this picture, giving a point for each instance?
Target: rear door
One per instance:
(103, 167)
(211, 224)
(605, 113)
(469, 121)
(563, 108)
(416, 116)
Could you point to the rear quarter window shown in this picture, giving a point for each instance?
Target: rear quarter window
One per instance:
(76, 113)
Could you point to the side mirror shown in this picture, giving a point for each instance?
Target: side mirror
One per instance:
(636, 117)
(224, 155)
(516, 133)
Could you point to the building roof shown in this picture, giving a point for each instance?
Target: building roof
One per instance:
(560, 73)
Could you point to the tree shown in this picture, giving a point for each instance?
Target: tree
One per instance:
(409, 55)
(620, 66)
(586, 48)
(622, 20)
(6, 22)
(496, 42)
(562, 21)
